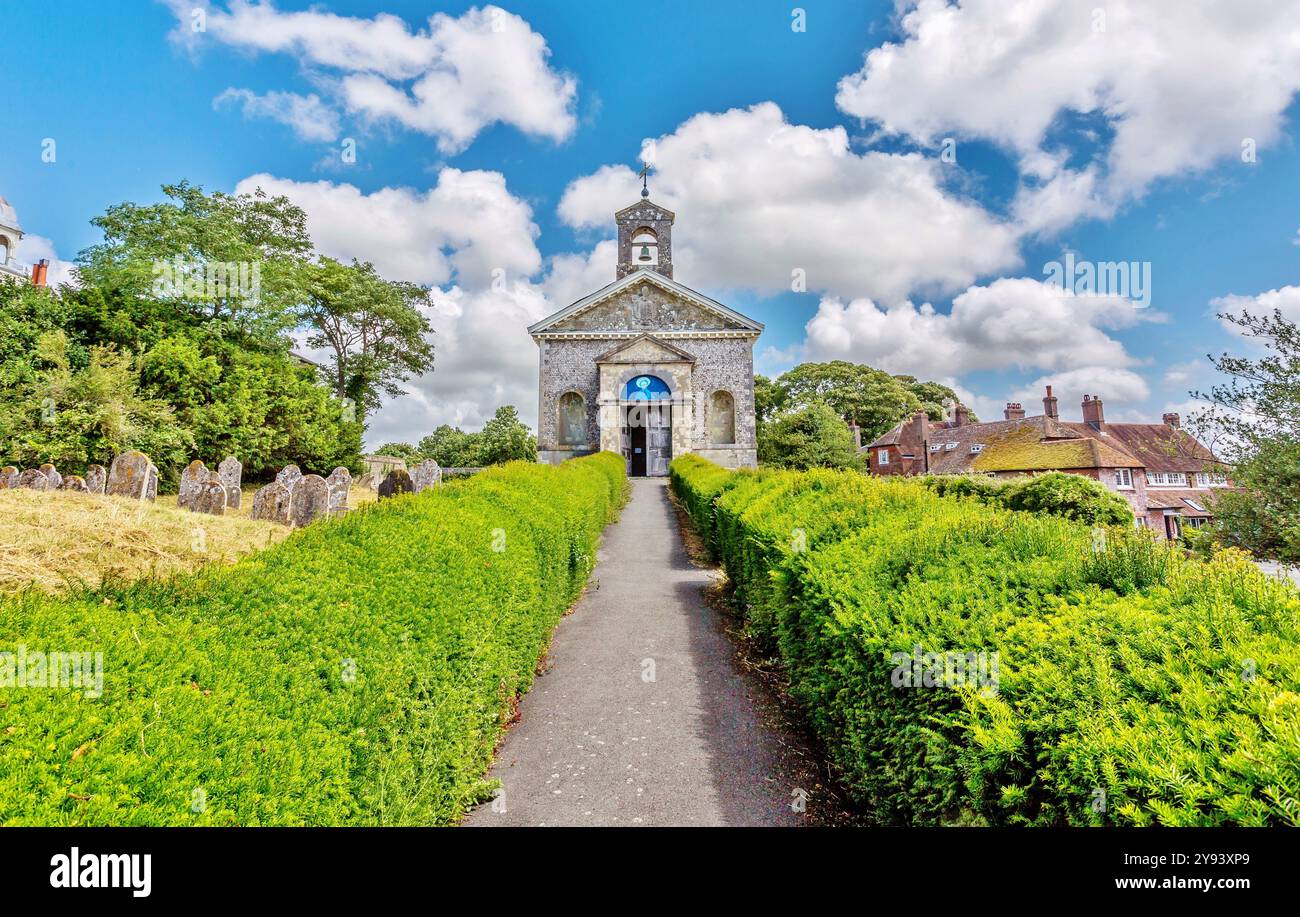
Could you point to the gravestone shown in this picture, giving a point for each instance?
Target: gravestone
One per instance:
(75, 482)
(231, 473)
(289, 476)
(397, 482)
(129, 475)
(340, 482)
(367, 480)
(32, 479)
(310, 501)
(210, 498)
(9, 475)
(193, 478)
(271, 504)
(425, 475)
(95, 478)
(52, 475)
(151, 484)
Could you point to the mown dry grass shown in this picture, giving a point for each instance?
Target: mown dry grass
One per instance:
(53, 540)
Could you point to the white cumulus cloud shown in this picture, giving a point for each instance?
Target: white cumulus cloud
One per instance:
(759, 198)
(449, 80)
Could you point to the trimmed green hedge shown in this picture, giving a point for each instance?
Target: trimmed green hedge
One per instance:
(359, 673)
(1057, 493)
(1133, 686)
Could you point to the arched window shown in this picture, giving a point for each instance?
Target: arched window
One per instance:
(573, 420)
(722, 418)
(4, 249)
(645, 248)
(646, 388)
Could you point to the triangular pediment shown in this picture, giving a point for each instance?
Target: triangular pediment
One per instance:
(647, 302)
(645, 209)
(645, 348)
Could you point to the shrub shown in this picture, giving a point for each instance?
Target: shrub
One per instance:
(1133, 686)
(358, 673)
(1072, 496)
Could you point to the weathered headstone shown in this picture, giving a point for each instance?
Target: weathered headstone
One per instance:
(75, 482)
(311, 500)
(193, 478)
(129, 475)
(271, 504)
(52, 475)
(9, 475)
(289, 476)
(397, 482)
(151, 485)
(232, 473)
(96, 476)
(210, 498)
(367, 480)
(32, 479)
(425, 475)
(340, 482)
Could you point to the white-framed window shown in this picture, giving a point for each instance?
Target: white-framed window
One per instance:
(935, 447)
(949, 447)
(1124, 478)
(976, 448)
(1210, 479)
(1167, 478)
(882, 456)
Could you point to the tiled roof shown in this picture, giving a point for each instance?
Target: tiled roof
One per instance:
(1157, 446)
(1179, 498)
(888, 438)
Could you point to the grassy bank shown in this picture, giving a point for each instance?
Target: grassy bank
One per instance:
(358, 673)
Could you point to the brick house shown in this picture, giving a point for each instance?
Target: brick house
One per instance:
(1163, 472)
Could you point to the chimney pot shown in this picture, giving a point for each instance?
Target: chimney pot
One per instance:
(1049, 404)
(1014, 411)
(1093, 414)
(1172, 420)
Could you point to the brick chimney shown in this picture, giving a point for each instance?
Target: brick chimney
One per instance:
(920, 428)
(1049, 404)
(1171, 420)
(1014, 411)
(960, 415)
(857, 434)
(40, 270)
(1092, 413)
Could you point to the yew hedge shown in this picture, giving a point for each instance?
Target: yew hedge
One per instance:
(359, 673)
(1134, 686)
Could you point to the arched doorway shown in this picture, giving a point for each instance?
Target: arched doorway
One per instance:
(647, 419)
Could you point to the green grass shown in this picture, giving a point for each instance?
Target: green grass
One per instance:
(359, 673)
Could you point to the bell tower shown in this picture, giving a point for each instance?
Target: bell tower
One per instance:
(645, 238)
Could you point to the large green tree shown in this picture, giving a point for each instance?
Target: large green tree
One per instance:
(374, 328)
(1254, 422)
(813, 436)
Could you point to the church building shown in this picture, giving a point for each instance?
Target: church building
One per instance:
(647, 367)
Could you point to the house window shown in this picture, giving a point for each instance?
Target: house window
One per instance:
(722, 418)
(935, 447)
(950, 446)
(1206, 479)
(976, 448)
(1195, 522)
(882, 456)
(1167, 478)
(573, 420)
(1124, 478)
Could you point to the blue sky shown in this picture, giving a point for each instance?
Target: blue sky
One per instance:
(780, 150)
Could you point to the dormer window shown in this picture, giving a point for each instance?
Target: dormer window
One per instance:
(976, 448)
(935, 447)
(950, 446)
(645, 248)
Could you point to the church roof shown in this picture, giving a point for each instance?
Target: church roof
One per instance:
(656, 278)
(643, 203)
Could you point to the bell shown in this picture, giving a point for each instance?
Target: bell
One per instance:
(645, 253)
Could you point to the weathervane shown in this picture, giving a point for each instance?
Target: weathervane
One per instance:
(645, 179)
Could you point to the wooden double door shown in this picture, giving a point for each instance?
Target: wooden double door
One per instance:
(648, 438)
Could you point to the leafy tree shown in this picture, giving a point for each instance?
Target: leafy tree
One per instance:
(373, 327)
(451, 447)
(505, 439)
(873, 399)
(769, 399)
(1254, 423)
(175, 255)
(810, 437)
(402, 451)
(1070, 495)
(935, 397)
